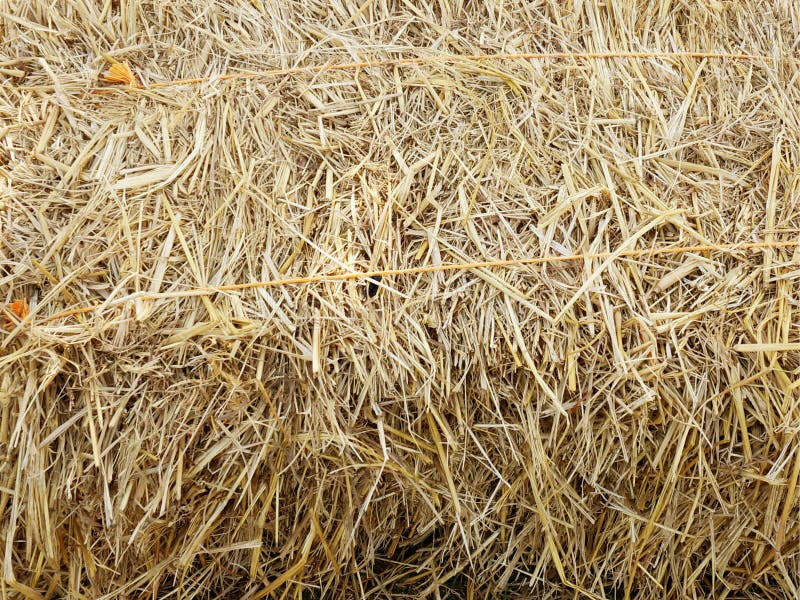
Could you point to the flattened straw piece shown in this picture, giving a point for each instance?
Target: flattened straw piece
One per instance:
(768, 347)
(121, 73)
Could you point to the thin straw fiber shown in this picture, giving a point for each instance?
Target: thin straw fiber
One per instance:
(376, 299)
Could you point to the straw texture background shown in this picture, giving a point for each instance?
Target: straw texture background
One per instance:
(623, 424)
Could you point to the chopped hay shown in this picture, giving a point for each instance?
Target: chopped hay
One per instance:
(361, 299)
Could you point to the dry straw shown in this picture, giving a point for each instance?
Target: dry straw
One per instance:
(435, 300)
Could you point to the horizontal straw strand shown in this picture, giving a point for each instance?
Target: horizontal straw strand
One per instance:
(520, 262)
(450, 59)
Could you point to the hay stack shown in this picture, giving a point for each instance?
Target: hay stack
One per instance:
(620, 424)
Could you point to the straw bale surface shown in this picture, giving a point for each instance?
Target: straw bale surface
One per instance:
(623, 423)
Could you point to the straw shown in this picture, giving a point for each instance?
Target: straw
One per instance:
(121, 74)
(399, 299)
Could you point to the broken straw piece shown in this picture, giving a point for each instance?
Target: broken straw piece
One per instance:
(121, 73)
